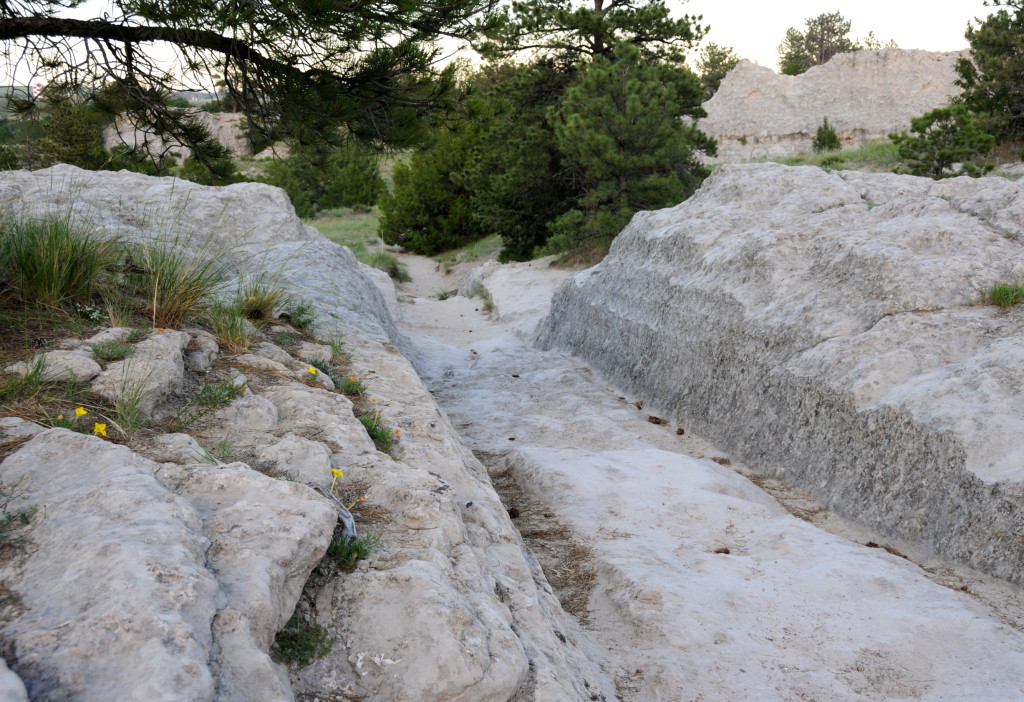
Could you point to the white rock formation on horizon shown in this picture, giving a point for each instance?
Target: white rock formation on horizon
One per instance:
(828, 328)
(866, 95)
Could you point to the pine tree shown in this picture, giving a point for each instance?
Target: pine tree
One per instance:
(993, 75)
(621, 131)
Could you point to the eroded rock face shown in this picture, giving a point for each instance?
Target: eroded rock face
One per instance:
(866, 95)
(826, 327)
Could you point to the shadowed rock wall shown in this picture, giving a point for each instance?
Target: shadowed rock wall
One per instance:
(825, 327)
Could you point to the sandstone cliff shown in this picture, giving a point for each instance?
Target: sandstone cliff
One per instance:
(866, 95)
(828, 328)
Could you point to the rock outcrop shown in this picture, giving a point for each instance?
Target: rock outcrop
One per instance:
(828, 328)
(225, 127)
(187, 568)
(866, 95)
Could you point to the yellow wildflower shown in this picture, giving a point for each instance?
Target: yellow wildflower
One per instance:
(311, 370)
(99, 429)
(81, 411)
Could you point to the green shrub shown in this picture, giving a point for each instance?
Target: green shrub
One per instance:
(50, 260)
(946, 144)
(428, 210)
(347, 552)
(826, 139)
(302, 643)
(318, 180)
(1005, 294)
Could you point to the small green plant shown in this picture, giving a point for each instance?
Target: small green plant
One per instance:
(53, 260)
(30, 384)
(113, 350)
(260, 296)
(1005, 294)
(742, 140)
(383, 436)
(118, 306)
(302, 643)
(338, 352)
(231, 326)
(136, 335)
(390, 264)
(208, 398)
(351, 385)
(301, 314)
(286, 340)
(224, 449)
(129, 417)
(14, 523)
(327, 369)
(347, 552)
(445, 294)
(826, 138)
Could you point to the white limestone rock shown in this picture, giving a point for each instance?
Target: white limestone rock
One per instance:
(266, 536)
(11, 687)
(307, 461)
(826, 327)
(324, 416)
(201, 352)
(172, 448)
(60, 366)
(117, 601)
(866, 95)
(154, 371)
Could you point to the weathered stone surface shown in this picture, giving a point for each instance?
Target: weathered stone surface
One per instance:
(826, 327)
(11, 687)
(306, 461)
(225, 127)
(321, 415)
(173, 448)
(866, 95)
(61, 365)
(117, 601)
(266, 536)
(201, 352)
(153, 372)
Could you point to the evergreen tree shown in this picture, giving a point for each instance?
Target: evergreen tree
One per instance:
(823, 37)
(519, 183)
(945, 144)
(429, 210)
(297, 69)
(318, 180)
(621, 132)
(713, 64)
(993, 75)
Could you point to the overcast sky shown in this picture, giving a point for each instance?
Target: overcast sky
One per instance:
(754, 28)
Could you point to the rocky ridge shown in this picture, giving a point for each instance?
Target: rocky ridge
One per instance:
(185, 567)
(866, 95)
(827, 328)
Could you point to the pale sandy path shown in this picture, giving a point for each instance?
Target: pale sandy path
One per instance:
(705, 588)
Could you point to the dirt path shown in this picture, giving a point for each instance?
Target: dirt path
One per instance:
(693, 582)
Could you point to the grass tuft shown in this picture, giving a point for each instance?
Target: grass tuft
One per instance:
(1005, 294)
(52, 260)
(231, 326)
(175, 284)
(301, 314)
(390, 264)
(348, 551)
(260, 296)
(113, 350)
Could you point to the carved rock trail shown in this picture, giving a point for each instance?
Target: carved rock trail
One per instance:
(704, 587)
